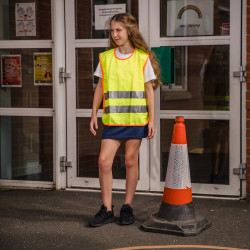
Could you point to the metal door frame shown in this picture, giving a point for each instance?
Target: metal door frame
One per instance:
(233, 115)
(73, 113)
(56, 44)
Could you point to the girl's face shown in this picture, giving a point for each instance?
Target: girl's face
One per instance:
(119, 33)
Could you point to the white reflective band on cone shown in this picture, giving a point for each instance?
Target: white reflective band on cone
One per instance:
(178, 174)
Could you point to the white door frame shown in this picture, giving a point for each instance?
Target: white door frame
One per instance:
(233, 115)
(59, 131)
(73, 113)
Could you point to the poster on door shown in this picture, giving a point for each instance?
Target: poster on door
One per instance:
(11, 71)
(43, 69)
(25, 19)
(104, 12)
(190, 17)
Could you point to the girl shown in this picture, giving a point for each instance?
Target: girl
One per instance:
(128, 75)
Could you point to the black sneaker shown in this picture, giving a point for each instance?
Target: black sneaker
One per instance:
(126, 215)
(103, 217)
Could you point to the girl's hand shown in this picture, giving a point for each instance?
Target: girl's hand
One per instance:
(93, 124)
(96, 103)
(149, 91)
(151, 130)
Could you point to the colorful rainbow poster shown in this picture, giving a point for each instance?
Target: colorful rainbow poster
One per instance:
(190, 17)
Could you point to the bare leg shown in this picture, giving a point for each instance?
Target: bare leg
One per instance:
(109, 148)
(132, 148)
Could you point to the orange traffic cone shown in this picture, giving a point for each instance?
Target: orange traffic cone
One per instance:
(176, 214)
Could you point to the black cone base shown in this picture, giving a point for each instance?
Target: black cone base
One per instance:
(176, 219)
(184, 228)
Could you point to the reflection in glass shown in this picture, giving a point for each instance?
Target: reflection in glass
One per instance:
(208, 148)
(173, 66)
(8, 23)
(201, 76)
(26, 148)
(29, 95)
(85, 19)
(194, 18)
(88, 148)
(87, 61)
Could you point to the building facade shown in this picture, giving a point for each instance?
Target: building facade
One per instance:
(49, 50)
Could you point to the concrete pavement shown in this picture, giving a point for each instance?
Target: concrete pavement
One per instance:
(43, 219)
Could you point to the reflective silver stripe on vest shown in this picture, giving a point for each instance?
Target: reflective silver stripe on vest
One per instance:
(126, 109)
(124, 94)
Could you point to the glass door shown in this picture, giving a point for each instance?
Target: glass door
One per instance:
(85, 39)
(26, 96)
(198, 45)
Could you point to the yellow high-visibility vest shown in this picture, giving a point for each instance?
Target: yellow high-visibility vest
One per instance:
(124, 100)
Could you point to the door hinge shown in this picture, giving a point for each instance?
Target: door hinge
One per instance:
(64, 163)
(241, 74)
(241, 171)
(63, 75)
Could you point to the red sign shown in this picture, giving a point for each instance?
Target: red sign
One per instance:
(11, 71)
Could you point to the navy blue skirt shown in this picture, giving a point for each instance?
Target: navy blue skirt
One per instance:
(125, 132)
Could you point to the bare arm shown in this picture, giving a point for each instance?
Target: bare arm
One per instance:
(96, 103)
(150, 96)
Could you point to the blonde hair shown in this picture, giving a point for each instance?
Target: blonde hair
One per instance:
(137, 41)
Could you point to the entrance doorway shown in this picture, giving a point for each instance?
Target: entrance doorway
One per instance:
(198, 83)
(198, 48)
(198, 63)
(84, 43)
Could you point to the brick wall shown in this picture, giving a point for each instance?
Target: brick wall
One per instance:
(248, 101)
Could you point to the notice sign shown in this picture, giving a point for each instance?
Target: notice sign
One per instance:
(190, 17)
(11, 72)
(104, 12)
(25, 19)
(43, 68)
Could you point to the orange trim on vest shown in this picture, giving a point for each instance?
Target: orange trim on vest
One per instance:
(103, 98)
(123, 58)
(177, 196)
(145, 65)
